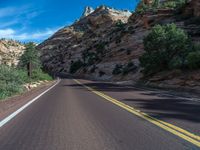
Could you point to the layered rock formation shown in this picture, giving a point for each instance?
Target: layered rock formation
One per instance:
(10, 51)
(100, 34)
(107, 41)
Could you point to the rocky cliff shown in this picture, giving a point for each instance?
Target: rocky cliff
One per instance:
(101, 39)
(10, 51)
(106, 43)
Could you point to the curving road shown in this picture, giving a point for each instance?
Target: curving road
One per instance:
(74, 117)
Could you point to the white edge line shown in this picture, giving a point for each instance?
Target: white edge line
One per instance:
(10, 117)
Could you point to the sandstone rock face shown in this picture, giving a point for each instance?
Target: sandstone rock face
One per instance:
(103, 39)
(10, 51)
(97, 33)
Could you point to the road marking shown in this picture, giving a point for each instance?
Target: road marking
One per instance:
(14, 114)
(186, 135)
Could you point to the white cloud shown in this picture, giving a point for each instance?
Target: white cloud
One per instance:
(14, 11)
(6, 33)
(18, 15)
(5, 24)
(40, 35)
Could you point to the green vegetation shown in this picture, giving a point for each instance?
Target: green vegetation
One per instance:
(31, 55)
(173, 4)
(124, 69)
(168, 47)
(101, 73)
(12, 79)
(120, 24)
(130, 67)
(75, 66)
(118, 69)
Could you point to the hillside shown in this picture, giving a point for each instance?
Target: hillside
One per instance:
(106, 39)
(10, 51)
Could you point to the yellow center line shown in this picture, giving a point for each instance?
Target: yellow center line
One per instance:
(186, 135)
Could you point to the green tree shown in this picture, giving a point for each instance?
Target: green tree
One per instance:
(30, 58)
(165, 47)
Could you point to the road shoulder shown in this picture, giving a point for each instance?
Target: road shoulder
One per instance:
(10, 105)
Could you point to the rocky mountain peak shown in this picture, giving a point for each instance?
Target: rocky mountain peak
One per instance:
(88, 10)
(112, 11)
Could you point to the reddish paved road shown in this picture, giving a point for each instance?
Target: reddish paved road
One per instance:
(69, 117)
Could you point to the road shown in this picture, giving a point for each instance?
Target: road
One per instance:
(75, 117)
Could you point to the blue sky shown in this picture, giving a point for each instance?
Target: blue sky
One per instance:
(36, 20)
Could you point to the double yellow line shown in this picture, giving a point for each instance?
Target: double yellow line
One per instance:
(186, 135)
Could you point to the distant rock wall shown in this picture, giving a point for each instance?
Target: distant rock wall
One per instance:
(10, 51)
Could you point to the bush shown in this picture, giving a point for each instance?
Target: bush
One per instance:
(126, 69)
(117, 70)
(9, 89)
(75, 66)
(193, 60)
(120, 24)
(164, 46)
(89, 58)
(39, 75)
(93, 69)
(11, 81)
(101, 73)
(175, 4)
(130, 67)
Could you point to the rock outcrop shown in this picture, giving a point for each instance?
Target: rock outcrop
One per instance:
(88, 11)
(99, 35)
(107, 43)
(10, 51)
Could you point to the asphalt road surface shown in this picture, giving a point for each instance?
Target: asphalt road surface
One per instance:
(74, 117)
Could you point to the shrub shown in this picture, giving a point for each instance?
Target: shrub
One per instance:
(93, 69)
(75, 66)
(118, 69)
(175, 4)
(101, 73)
(11, 81)
(130, 67)
(193, 60)
(120, 24)
(89, 58)
(39, 75)
(163, 47)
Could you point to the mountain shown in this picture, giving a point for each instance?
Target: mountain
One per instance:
(10, 51)
(99, 35)
(106, 43)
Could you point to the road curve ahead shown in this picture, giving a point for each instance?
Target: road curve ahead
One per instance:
(73, 117)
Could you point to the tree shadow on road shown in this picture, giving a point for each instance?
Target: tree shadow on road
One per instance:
(169, 108)
(159, 104)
